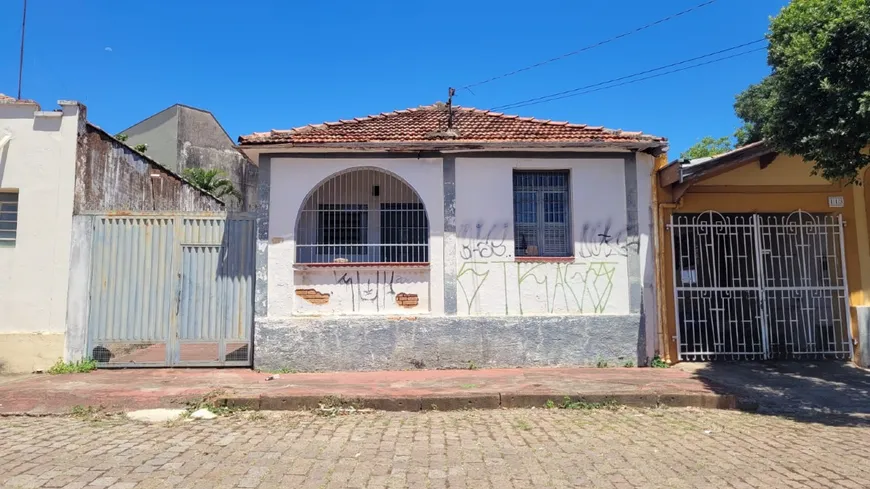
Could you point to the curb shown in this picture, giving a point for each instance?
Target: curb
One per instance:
(483, 401)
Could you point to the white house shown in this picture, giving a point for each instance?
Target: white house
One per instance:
(58, 174)
(37, 179)
(442, 237)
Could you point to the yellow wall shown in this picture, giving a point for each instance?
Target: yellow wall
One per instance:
(29, 352)
(777, 188)
(785, 170)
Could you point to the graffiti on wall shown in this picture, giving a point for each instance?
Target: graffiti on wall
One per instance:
(570, 288)
(369, 289)
(487, 270)
(602, 239)
(482, 241)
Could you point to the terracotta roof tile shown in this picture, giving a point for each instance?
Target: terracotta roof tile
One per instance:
(429, 123)
(6, 99)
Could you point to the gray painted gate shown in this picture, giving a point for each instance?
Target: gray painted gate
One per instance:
(171, 290)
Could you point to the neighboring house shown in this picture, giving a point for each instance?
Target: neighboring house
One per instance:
(446, 238)
(54, 168)
(180, 137)
(761, 259)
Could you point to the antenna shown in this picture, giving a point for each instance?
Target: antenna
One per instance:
(21, 58)
(450, 93)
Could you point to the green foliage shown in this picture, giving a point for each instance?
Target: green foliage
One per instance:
(472, 366)
(78, 367)
(142, 148)
(601, 363)
(657, 362)
(524, 425)
(213, 181)
(706, 147)
(816, 102)
(628, 364)
(121, 137)
(568, 403)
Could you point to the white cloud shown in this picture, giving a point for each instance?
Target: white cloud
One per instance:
(107, 48)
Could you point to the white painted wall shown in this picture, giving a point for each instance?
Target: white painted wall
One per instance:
(490, 280)
(292, 179)
(39, 161)
(381, 290)
(493, 283)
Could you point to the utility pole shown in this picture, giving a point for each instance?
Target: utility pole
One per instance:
(450, 93)
(21, 57)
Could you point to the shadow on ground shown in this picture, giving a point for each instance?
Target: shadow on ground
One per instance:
(826, 392)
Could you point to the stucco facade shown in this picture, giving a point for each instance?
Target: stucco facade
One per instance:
(756, 181)
(474, 301)
(37, 162)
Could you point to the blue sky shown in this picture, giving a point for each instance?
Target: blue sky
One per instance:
(279, 64)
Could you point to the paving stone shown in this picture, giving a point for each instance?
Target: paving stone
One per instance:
(514, 448)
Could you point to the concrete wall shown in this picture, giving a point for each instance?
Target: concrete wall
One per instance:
(487, 308)
(160, 133)
(185, 137)
(113, 177)
(39, 161)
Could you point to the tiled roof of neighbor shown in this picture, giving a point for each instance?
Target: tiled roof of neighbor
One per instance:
(429, 123)
(6, 99)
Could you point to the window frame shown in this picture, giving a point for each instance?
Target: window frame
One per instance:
(9, 227)
(542, 210)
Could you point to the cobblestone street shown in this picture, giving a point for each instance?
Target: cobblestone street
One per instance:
(665, 448)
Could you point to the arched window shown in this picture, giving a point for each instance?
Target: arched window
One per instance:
(363, 215)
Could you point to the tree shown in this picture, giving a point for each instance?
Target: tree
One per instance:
(816, 101)
(213, 181)
(707, 146)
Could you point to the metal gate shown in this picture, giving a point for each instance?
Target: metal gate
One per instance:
(760, 286)
(171, 290)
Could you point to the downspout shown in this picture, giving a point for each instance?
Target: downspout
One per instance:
(664, 344)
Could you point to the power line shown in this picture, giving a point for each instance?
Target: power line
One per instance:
(595, 87)
(591, 46)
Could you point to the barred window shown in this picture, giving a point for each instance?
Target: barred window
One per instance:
(8, 218)
(541, 213)
(363, 215)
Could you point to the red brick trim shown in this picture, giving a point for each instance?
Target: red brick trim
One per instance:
(545, 259)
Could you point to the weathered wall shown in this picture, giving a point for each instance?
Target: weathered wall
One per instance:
(292, 179)
(487, 307)
(113, 177)
(39, 162)
(203, 143)
(185, 137)
(381, 343)
(375, 290)
(160, 133)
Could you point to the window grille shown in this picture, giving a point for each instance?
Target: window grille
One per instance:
(363, 216)
(8, 218)
(541, 213)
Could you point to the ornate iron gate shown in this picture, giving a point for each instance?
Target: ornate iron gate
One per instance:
(171, 290)
(760, 286)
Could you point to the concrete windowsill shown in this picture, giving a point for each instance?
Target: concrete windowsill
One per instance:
(545, 259)
(381, 265)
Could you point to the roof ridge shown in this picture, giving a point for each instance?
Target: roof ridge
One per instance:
(418, 123)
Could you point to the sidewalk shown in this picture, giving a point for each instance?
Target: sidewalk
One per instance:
(122, 390)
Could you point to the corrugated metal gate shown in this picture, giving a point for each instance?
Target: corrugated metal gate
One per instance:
(171, 290)
(760, 286)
